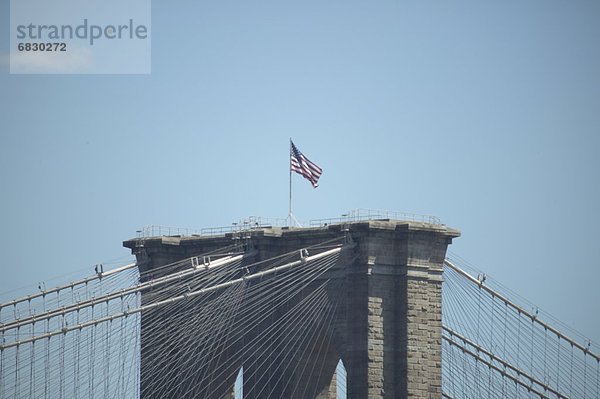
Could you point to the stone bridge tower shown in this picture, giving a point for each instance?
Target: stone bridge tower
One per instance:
(389, 331)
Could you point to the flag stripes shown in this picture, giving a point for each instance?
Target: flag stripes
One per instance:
(303, 166)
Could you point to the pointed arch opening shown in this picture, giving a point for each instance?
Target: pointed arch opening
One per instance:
(341, 380)
(238, 386)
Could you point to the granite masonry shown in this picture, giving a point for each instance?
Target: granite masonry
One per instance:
(389, 326)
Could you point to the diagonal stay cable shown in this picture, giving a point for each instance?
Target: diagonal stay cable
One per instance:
(67, 286)
(126, 291)
(496, 368)
(533, 318)
(505, 364)
(253, 296)
(263, 316)
(292, 324)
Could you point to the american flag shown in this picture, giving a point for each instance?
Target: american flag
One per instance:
(303, 166)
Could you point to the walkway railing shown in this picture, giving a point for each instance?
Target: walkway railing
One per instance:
(258, 222)
(251, 223)
(358, 215)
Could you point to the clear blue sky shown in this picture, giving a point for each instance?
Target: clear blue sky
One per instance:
(486, 114)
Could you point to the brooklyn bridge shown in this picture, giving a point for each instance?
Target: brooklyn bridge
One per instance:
(369, 305)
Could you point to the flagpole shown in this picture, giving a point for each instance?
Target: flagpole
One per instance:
(290, 214)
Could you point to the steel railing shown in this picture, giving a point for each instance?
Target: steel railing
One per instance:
(257, 222)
